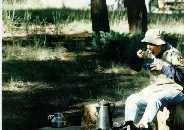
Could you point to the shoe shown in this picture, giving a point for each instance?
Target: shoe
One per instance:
(131, 125)
(141, 126)
(128, 125)
(118, 125)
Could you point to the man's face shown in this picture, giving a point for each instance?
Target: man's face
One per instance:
(154, 49)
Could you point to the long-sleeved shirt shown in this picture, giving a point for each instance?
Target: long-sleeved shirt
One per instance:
(177, 74)
(172, 70)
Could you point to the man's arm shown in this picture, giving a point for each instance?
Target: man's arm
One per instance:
(169, 71)
(172, 72)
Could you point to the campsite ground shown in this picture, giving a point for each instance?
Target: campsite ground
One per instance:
(49, 64)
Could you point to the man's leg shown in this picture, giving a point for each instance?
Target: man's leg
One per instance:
(131, 106)
(151, 109)
(157, 100)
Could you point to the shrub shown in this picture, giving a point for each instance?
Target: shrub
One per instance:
(116, 46)
(121, 47)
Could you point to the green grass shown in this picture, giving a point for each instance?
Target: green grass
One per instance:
(54, 78)
(41, 77)
(35, 87)
(45, 70)
(39, 20)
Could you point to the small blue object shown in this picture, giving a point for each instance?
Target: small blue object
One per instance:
(147, 66)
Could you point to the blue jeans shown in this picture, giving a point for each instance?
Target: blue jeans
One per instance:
(154, 97)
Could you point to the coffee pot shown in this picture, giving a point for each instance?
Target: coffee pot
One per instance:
(57, 120)
(104, 116)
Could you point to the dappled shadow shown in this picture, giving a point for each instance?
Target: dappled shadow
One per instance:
(83, 75)
(72, 42)
(64, 83)
(47, 86)
(29, 110)
(33, 89)
(50, 70)
(114, 49)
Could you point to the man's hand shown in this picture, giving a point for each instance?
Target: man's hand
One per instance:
(141, 54)
(157, 65)
(145, 54)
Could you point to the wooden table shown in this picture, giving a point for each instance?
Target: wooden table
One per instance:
(64, 128)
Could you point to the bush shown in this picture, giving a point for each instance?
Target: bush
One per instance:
(116, 46)
(121, 47)
(176, 40)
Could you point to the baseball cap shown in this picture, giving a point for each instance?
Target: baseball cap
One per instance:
(153, 36)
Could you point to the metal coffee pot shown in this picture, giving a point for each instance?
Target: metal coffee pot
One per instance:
(57, 120)
(104, 116)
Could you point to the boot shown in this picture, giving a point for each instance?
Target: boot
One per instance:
(128, 125)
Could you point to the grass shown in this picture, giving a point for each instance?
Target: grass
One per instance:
(40, 80)
(41, 77)
(48, 69)
(64, 20)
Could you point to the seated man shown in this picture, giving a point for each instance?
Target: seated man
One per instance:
(165, 64)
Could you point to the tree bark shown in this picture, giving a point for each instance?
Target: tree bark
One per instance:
(89, 117)
(137, 15)
(171, 118)
(99, 16)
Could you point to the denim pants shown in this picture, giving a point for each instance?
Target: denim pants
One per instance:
(154, 96)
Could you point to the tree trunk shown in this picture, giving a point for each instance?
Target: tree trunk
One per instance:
(99, 16)
(171, 119)
(89, 117)
(137, 15)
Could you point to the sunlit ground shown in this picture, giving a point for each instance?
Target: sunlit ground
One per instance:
(85, 26)
(40, 79)
(168, 23)
(37, 4)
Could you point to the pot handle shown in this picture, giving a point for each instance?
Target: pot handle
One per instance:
(113, 107)
(50, 117)
(97, 110)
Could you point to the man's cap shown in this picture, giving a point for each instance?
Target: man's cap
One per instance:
(153, 36)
